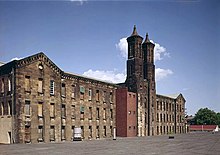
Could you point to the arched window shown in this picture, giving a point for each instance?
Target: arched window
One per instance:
(9, 85)
(2, 86)
(2, 108)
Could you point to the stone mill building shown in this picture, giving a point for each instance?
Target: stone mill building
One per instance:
(39, 102)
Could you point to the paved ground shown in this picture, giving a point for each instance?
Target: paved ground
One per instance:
(185, 144)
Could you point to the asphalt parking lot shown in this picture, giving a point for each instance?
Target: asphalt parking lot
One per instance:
(182, 144)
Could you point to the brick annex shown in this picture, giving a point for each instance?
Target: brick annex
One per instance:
(39, 102)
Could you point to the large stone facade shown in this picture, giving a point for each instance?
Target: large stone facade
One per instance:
(48, 103)
(41, 103)
(170, 115)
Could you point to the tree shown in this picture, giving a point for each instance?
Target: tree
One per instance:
(218, 119)
(207, 116)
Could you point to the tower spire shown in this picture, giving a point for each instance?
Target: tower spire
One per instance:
(134, 33)
(147, 39)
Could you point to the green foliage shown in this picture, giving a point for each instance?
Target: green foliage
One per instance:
(218, 119)
(207, 116)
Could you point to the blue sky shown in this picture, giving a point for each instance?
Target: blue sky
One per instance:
(88, 38)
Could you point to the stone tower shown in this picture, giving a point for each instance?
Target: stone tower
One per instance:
(141, 80)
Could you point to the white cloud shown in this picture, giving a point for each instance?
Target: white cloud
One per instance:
(109, 76)
(122, 46)
(159, 51)
(119, 77)
(80, 2)
(162, 73)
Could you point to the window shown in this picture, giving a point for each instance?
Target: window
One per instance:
(2, 86)
(130, 70)
(104, 96)
(111, 129)
(27, 83)
(63, 111)
(73, 127)
(157, 130)
(130, 52)
(9, 84)
(90, 113)
(161, 118)
(90, 94)
(157, 117)
(2, 108)
(40, 134)
(27, 136)
(111, 113)
(111, 97)
(52, 110)
(82, 92)
(40, 85)
(27, 108)
(104, 131)
(129, 127)
(90, 131)
(9, 108)
(63, 134)
(129, 112)
(40, 109)
(104, 113)
(97, 95)
(164, 118)
(52, 133)
(73, 91)
(73, 111)
(97, 113)
(81, 112)
(97, 131)
(63, 90)
(82, 133)
(52, 84)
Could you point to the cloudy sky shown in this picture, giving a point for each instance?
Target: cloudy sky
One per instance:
(89, 38)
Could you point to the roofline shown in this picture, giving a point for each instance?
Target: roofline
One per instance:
(88, 78)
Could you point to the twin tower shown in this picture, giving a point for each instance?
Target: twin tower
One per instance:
(141, 80)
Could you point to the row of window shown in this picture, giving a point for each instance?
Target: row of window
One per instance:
(165, 106)
(168, 118)
(169, 129)
(2, 85)
(63, 90)
(5, 109)
(52, 131)
(27, 111)
(165, 118)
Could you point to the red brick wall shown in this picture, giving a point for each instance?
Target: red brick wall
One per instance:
(131, 115)
(126, 120)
